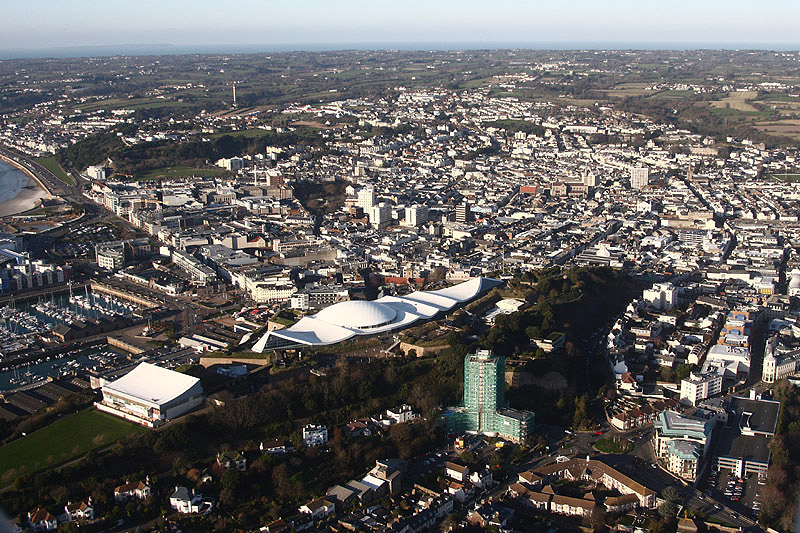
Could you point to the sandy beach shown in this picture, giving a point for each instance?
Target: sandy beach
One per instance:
(18, 192)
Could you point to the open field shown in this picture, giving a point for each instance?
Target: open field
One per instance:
(783, 128)
(62, 441)
(623, 93)
(180, 172)
(51, 164)
(736, 100)
(131, 103)
(673, 95)
(248, 134)
(243, 111)
(790, 178)
(313, 124)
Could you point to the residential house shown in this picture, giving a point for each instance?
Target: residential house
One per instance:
(481, 479)
(357, 428)
(318, 509)
(459, 491)
(277, 447)
(42, 520)
(276, 526)
(490, 515)
(315, 435)
(234, 459)
(456, 471)
(136, 489)
(187, 501)
(79, 510)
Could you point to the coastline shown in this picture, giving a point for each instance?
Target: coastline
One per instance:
(28, 196)
(25, 200)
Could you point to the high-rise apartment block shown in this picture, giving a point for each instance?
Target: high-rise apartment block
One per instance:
(462, 213)
(366, 198)
(416, 215)
(380, 215)
(485, 410)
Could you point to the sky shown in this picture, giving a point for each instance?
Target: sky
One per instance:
(305, 24)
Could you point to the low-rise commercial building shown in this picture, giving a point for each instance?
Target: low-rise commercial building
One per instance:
(150, 395)
(743, 446)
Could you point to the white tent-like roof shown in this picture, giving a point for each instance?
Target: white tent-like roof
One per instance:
(152, 384)
(344, 320)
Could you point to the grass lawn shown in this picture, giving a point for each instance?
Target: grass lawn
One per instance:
(672, 95)
(180, 172)
(51, 164)
(791, 178)
(253, 133)
(131, 103)
(61, 441)
(613, 445)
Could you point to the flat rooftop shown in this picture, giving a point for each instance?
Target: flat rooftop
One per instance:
(749, 430)
(756, 416)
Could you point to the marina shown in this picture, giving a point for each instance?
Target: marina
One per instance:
(73, 363)
(29, 327)
(23, 323)
(70, 308)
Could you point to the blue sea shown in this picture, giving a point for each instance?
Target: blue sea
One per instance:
(12, 181)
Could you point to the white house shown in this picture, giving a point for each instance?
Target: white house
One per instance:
(401, 414)
(318, 509)
(315, 435)
(456, 471)
(137, 489)
(187, 501)
(79, 510)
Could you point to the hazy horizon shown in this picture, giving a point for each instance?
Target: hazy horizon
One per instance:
(174, 49)
(37, 29)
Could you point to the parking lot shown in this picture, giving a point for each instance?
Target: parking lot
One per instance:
(741, 495)
(81, 240)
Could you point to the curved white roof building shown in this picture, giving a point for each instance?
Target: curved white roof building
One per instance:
(150, 395)
(344, 320)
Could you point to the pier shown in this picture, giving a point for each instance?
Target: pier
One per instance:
(122, 294)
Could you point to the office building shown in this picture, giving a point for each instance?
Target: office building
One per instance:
(743, 446)
(681, 442)
(640, 177)
(662, 296)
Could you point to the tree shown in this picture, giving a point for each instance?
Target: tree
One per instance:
(401, 436)
(670, 494)
(682, 371)
(469, 457)
(667, 510)
(598, 517)
(450, 523)
(281, 480)
(581, 417)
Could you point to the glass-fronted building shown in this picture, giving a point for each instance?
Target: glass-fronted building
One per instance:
(485, 410)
